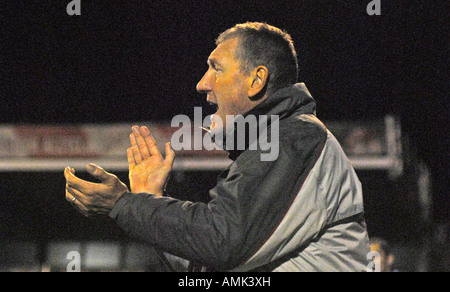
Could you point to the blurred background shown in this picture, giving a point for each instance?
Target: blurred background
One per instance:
(72, 86)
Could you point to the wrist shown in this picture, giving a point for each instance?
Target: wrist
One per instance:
(158, 193)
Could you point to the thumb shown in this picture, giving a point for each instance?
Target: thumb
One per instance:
(69, 173)
(71, 170)
(100, 173)
(170, 156)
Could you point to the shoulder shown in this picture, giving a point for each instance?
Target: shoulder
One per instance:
(303, 131)
(289, 141)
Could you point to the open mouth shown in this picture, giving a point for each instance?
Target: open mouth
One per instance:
(214, 105)
(214, 117)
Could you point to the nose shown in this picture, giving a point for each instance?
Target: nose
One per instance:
(204, 86)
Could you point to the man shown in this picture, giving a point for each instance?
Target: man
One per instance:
(300, 212)
(387, 258)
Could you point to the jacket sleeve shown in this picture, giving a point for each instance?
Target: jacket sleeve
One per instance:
(246, 208)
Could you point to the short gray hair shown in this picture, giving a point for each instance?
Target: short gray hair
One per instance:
(261, 44)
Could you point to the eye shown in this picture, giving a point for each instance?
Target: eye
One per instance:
(214, 67)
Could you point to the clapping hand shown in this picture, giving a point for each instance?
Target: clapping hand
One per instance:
(149, 170)
(93, 198)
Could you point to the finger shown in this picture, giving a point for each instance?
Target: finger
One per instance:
(83, 202)
(170, 156)
(130, 156)
(142, 145)
(68, 170)
(101, 174)
(74, 193)
(72, 170)
(76, 203)
(76, 183)
(150, 141)
(136, 153)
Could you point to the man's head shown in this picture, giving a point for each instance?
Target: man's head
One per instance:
(386, 257)
(251, 61)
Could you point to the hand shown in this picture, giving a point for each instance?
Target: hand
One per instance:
(149, 171)
(93, 198)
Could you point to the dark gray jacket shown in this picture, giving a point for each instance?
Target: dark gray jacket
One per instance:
(300, 212)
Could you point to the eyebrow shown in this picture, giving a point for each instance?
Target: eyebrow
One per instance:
(213, 62)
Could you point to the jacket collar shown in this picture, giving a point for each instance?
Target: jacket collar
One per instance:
(284, 103)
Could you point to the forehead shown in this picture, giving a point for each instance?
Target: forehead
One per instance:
(225, 52)
(375, 247)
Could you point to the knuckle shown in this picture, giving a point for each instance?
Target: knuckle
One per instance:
(85, 201)
(91, 201)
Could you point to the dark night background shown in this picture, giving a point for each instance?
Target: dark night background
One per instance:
(126, 61)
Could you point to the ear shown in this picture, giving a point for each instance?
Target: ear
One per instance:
(259, 78)
(391, 259)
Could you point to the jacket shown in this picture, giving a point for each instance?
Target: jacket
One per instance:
(300, 212)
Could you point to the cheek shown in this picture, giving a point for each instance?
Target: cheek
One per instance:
(231, 96)
(229, 104)
(226, 86)
(229, 90)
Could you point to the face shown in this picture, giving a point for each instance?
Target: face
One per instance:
(385, 261)
(225, 85)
